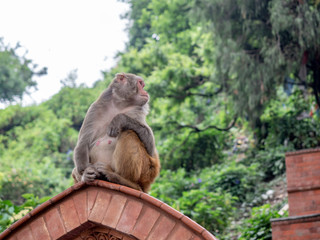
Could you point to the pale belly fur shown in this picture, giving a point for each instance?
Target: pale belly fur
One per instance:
(103, 149)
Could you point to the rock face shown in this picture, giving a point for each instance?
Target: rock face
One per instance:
(303, 186)
(106, 211)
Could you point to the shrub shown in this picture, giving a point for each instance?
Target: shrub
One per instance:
(259, 225)
(9, 212)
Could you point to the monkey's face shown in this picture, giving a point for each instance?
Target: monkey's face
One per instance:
(130, 88)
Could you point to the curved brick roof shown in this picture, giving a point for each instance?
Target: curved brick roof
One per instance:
(103, 210)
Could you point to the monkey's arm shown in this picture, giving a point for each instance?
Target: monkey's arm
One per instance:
(81, 151)
(81, 157)
(85, 171)
(122, 122)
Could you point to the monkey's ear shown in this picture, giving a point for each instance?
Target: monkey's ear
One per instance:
(121, 77)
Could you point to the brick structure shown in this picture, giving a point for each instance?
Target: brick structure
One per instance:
(303, 186)
(107, 211)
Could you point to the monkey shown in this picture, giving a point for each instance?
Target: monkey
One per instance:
(115, 143)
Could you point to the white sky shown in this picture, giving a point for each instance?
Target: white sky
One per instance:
(64, 35)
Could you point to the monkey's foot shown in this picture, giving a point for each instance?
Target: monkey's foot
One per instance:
(90, 174)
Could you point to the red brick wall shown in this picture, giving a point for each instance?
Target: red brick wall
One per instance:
(303, 182)
(303, 169)
(304, 202)
(297, 229)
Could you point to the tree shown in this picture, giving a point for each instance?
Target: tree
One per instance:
(176, 62)
(138, 30)
(16, 73)
(263, 44)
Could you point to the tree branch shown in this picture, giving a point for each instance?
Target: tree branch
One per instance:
(196, 129)
(184, 94)
(178, 146)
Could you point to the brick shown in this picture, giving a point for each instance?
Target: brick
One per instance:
(69, 214)
(194, 237)
(109, 185)
(40, 208)
(303, 170)
(180, 232)
(151, 200)
(208, 236)
(114, 210)
(91, 198)
(130, 191)
(115, 234)
(54, 223)
(100, 206)
(14, 237)
(39, 229)
(126, 238)
(171, 211)
(25, 234)
(162, 229)
(192, 224)
(78, 185)
(315, 229)
(61, 195)
(129, 216)
(146, 221)
(304, 202)
(297, 229)
(20, 222)
(80, 203)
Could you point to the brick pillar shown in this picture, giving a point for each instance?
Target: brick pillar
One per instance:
(303, 186)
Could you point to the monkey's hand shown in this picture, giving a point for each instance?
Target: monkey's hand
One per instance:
(146, 137)
(122, 122)
(90, 174)
(101, 167)
(114, 127)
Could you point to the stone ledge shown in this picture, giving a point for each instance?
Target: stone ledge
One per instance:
(304, 151)
(296, 219)
(302, 189)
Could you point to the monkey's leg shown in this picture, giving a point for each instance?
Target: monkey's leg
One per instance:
(105, 172)
(116, 178)
(127, 156)
(150, 170)
(133, 162)
(76, 176)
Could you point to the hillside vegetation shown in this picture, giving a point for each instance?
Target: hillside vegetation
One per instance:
(233, 85)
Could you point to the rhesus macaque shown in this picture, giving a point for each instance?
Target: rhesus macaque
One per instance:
(115, 143)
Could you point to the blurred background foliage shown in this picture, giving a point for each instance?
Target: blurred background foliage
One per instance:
(233, 84)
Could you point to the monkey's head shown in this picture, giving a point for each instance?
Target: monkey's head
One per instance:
(129, 88)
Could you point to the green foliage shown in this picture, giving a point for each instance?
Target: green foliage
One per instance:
(258, 227)
(170, 185)
(192, 196)
(15, 73)
(34, 154)
(271, 160)
(210, 209)
(72, 103)
(294, 126)
(196, 152)
(237, 179)
(204, 77)
(258, 44)
(9, 212)
(139, 30)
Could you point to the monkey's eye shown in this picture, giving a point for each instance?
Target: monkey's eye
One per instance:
(141, 83)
